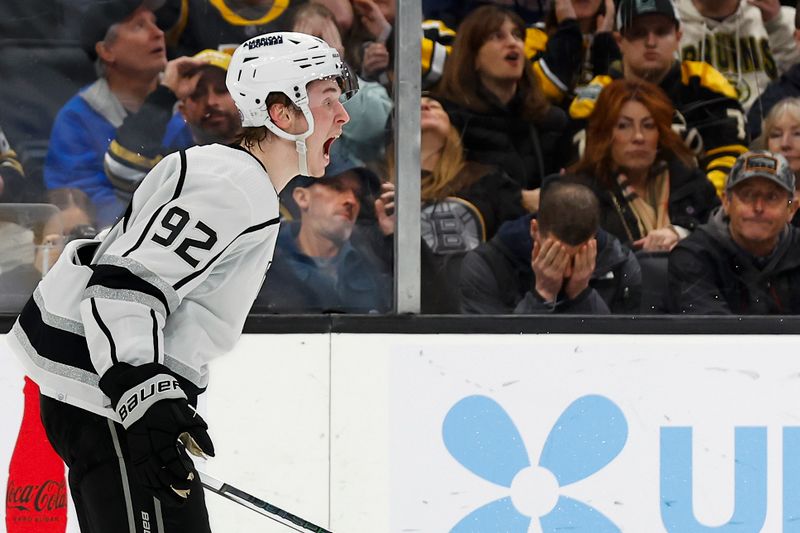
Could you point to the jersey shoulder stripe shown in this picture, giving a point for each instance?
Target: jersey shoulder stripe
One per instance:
(53, 343)
(118, 278)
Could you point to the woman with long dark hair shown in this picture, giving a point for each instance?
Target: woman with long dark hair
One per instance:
(495, 101)
(650, 189)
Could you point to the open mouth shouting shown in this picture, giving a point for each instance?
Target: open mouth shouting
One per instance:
(326, 148)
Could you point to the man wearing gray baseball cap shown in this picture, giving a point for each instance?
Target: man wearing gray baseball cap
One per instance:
(746, 259)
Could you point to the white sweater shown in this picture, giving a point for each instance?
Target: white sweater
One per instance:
(748, 52)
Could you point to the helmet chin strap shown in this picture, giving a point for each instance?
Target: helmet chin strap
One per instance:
(302, 158)
(299, 139)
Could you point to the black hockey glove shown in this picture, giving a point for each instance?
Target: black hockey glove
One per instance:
(156, 414)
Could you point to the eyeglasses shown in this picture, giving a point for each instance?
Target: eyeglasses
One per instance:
(770, 199)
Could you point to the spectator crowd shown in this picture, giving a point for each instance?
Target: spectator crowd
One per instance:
(576, 156)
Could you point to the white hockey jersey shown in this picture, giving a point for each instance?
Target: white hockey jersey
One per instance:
(748, 52)
(171, 283)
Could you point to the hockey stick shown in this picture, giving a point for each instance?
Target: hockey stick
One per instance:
(259, 506)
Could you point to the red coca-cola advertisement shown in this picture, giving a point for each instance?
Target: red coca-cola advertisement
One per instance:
(36, 494)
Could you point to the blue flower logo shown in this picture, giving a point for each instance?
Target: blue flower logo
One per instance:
(587, 436)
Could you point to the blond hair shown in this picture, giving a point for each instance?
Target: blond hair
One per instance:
(447, 176)
(787, 106)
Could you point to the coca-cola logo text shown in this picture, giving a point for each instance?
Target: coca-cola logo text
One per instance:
(48, 496)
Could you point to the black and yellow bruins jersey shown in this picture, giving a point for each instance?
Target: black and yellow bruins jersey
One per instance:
(708, 115)
(214, 24)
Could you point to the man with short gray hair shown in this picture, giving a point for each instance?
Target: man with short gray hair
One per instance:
(126, 40)
(746, 259)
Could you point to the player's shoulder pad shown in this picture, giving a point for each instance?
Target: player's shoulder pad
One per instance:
(586, 96)
(709, 77)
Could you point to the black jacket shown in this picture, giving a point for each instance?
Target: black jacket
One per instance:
(501, 137)
(709, 274)
(471, 214)
(497, 278)
(691, 199)
(788, 85)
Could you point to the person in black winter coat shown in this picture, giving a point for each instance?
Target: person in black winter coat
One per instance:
(746, 260)
(552, 264)
(787, 86)
(651, 193)
(494, 100)
(463, 202)
(691, 200)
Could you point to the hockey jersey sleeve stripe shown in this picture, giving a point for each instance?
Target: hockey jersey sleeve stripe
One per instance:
(55, 321)
(157, 212)
(127, 158)
(731, 148)
(717, 171)
(121, 176)
(9, 159)
(427, 55)
(197, 273)
(156, 329)
(118, 283)
(102, 325)
(99, 290)
(125, 295)
(434, 57)
(583, 104)
(709, 78)
(140, 271)
(56, 346)
(437, 41)
(535, 41)
(552, 87)
(718, 178)
(721, 163)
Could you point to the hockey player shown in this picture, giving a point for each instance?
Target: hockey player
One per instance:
(120, 332)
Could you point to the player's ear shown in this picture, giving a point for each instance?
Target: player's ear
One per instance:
(280, 115)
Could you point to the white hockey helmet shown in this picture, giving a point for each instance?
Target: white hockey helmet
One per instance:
(284, 62)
